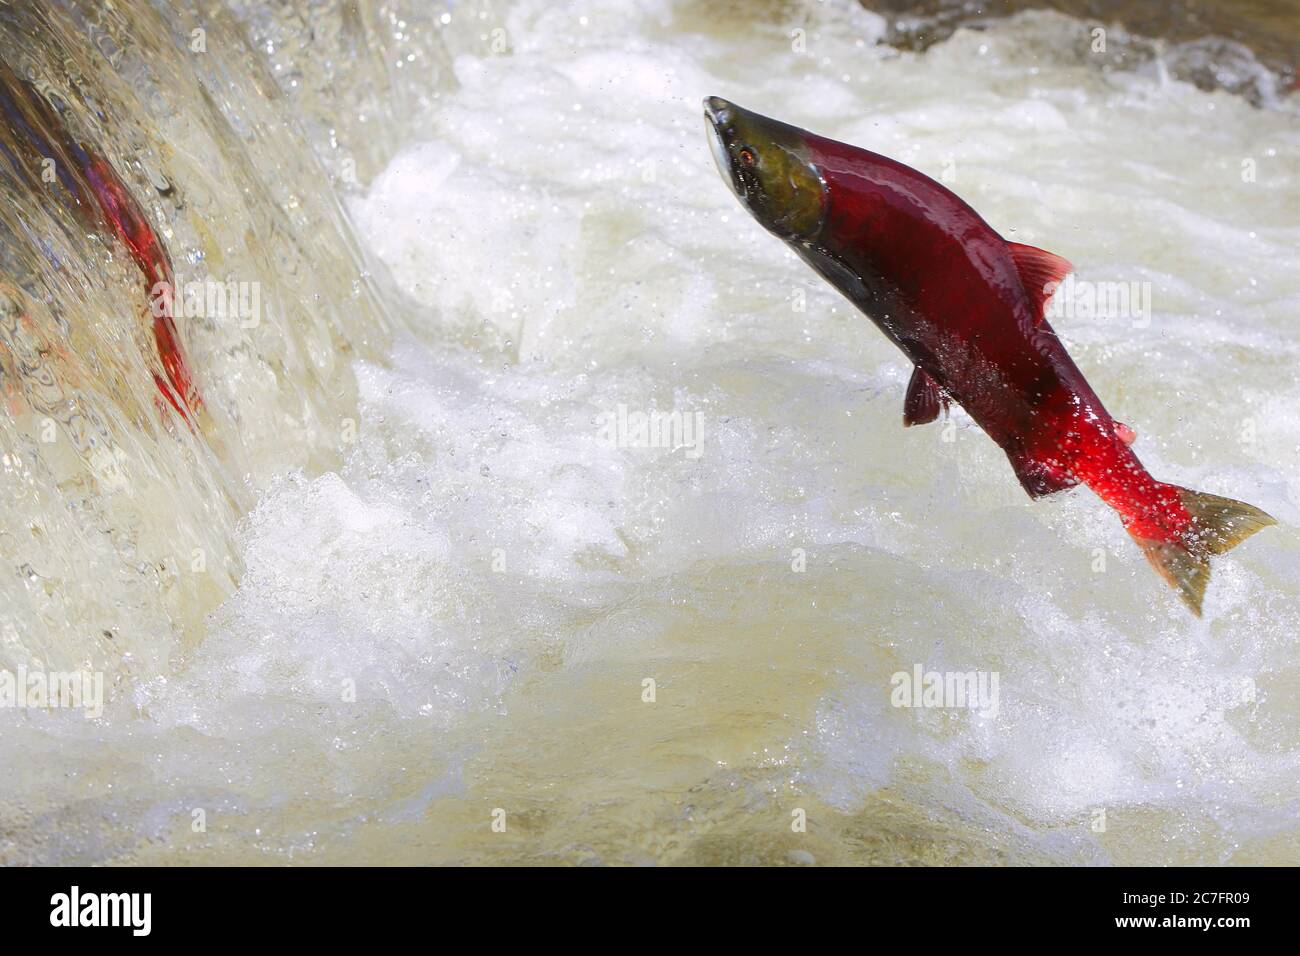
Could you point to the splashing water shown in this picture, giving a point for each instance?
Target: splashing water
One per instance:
(592, 505)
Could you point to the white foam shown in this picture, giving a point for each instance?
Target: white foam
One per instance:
(569, 249)
(1112, 696)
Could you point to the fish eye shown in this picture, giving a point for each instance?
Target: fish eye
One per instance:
(746, 156)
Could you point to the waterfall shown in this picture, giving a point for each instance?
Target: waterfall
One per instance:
(225, 135)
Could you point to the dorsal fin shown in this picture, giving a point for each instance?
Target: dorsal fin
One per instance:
(1040, 273)
(924, 399)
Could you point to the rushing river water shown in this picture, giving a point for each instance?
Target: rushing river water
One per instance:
(404, 567)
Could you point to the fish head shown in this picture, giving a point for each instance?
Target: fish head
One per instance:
(768, 166)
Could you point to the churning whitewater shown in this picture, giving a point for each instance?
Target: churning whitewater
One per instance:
(618, 535)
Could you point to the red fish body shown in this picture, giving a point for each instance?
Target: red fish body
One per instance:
(32, 133)
(966, 307)
(129, 224)
(973, 324)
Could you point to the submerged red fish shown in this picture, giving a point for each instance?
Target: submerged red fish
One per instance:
(966, 307)
(33, 137)
(128, 222)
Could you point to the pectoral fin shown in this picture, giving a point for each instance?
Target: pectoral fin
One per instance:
(924, 399)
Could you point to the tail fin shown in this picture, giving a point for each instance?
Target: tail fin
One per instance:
(1218, 525)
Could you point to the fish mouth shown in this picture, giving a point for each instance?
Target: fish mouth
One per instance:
(718, 115)
(717, 110)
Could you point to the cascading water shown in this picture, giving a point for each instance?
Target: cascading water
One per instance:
(361, 549)
(117, 510)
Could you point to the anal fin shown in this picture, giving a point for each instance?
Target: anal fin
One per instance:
(924, 399)
(1040, 478)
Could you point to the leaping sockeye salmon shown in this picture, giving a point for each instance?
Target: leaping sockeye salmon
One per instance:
(966, 307)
